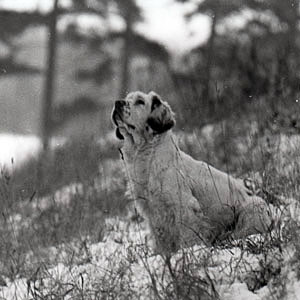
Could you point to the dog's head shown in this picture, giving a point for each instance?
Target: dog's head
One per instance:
(142, 115)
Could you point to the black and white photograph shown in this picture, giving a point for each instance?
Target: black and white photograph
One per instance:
(149, 149)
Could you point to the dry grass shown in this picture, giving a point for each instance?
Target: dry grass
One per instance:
(54, 221)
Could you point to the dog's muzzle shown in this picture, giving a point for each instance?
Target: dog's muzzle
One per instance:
(119, 104)
(118, 111)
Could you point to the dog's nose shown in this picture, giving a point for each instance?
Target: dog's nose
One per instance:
(120, 103)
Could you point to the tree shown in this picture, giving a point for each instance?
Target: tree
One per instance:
(12, 25)
(49, 80)
(132, 41)
(131, 13)
(287, 12)
(217, 10)
(283, 39)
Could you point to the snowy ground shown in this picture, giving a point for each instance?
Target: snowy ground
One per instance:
(122, 265)
(16, 149)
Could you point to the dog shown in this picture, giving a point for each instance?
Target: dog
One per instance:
(185, 201)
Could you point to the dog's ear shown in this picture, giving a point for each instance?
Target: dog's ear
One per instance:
(155, 101)
(161, 117)
(119, 134)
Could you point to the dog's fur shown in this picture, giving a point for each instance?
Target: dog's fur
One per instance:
(186, 201)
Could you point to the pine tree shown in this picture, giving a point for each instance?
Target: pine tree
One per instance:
(49, 79)
(217, 10)
(132, 41)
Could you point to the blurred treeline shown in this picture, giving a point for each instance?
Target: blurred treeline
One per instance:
(251, 56)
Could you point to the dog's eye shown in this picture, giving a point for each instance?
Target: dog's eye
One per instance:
(139, 102)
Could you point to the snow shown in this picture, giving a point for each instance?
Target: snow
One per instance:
(124, 250)
(239, 291)
(61, 197)
(16, 149)
(127, 247)
(15, 290)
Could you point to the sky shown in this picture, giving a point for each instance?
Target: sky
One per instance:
(164, 21)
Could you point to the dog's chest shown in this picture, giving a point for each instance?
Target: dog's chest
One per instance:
(149, 169)
(146, 175)
(139, 172)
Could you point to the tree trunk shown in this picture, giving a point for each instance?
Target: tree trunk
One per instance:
(126, 55)
(208, 69)
(49, 80)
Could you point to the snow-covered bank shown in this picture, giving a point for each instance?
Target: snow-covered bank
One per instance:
(16, 149)
(119, 266)
(113, 261)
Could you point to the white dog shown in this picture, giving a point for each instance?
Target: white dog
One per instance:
(186, 201)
